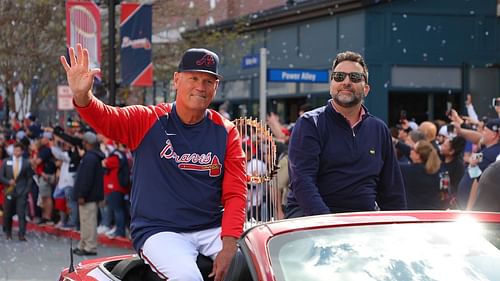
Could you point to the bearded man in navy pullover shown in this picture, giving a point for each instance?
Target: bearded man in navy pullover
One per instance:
(341, 158)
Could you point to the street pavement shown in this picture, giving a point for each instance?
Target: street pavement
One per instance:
(47, 252)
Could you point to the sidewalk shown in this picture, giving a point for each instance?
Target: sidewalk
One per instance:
(73, 234)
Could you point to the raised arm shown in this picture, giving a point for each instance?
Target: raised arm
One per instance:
(80, 77)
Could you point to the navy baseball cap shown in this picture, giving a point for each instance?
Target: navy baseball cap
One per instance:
(494, 125)
(200, 60)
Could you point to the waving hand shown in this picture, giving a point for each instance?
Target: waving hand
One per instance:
(80, 77)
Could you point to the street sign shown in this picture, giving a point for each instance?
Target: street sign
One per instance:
(64, 98)
(250, 61)
(298, 75)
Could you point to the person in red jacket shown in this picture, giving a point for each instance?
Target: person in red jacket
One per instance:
(114, 191)
(189, 189)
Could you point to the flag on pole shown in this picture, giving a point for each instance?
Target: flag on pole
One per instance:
(83, 25)
(135, 33)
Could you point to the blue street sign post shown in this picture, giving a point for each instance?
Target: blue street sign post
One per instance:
(298, 75)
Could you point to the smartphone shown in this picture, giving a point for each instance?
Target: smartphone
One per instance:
(495, 102)
(477, 156)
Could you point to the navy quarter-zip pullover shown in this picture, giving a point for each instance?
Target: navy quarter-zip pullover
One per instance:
(335, 168)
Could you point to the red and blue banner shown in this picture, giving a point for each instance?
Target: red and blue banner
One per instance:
(83, 25)
(135, 34)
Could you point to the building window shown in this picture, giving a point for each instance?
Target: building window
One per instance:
(235, 89)
(309, 88)
(426, 77)
(276, 88)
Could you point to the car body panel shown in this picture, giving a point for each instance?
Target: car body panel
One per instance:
(92, 269)
(254, 243)
(256, 239)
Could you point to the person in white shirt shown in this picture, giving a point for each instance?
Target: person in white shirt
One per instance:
(60, 151)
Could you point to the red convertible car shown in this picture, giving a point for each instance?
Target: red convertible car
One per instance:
(442, 245)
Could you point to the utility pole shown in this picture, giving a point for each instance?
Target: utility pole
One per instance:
(263, 85)
(112, 55)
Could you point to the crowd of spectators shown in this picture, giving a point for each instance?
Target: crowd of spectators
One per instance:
(463, 149)
(60, 184)
(446, 164)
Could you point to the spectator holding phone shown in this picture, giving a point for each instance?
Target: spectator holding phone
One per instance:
(489, 140)
(471, 112)
(496, 105)
(472, 135)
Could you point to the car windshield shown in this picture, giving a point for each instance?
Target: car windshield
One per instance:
(406, 251)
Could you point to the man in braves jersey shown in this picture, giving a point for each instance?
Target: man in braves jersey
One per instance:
(189, 184)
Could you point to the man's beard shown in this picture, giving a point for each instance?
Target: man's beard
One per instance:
(348, 101)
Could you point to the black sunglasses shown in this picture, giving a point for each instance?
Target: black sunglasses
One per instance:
(355, 77)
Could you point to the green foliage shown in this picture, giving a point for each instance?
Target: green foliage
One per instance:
(224, 41)
(32, 37)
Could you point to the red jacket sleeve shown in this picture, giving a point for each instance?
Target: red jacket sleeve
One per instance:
(127, 125)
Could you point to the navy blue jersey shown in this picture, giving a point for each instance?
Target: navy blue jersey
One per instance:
(184, 176)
